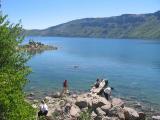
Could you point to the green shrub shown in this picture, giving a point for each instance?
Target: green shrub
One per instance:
(86, 115)
(13, 72)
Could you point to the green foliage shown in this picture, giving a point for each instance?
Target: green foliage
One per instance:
(86, 115)
(13, 74)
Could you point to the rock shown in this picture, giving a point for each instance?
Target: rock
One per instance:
(93, 115)
(117, 102)
(61, 103)
(121, 115)
(110, 118)
(106, 107)
(56, 95)
(75, 111)
(100, 112)
(74, 96)
(142, 115)
(70, 100)
(130, 114)
(117, 112)
(155, 117)
(81, 102)
(48, 99)
(98, 102)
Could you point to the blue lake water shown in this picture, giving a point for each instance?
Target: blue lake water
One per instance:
(132, 66)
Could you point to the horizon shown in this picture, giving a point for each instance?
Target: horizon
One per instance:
(41, 14)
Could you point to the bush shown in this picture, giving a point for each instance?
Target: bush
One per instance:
(86, 115)
(13, 72)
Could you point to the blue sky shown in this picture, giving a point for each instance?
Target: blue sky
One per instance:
(44, 13)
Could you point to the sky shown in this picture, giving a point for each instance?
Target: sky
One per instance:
(40, 14)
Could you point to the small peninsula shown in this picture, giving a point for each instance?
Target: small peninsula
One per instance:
(34, 47)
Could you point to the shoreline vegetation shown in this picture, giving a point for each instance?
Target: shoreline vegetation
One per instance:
(126, 26)
(90, 105)
(36, 47)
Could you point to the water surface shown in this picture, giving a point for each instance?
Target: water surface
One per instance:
(132, 66)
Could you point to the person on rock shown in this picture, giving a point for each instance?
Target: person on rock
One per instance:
(107, 92)
(97, 83)
(43, 109)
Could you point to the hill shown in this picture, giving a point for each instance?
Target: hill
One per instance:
(145, 26)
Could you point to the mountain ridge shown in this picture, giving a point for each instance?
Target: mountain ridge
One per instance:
(146, 26)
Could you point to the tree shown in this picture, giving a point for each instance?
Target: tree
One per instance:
(13, 72)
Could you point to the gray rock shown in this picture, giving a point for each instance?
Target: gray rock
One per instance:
(56, 95)
(110, 118)
(117, 102)
(100, 112)
(98, 102)
(130, 114)
(81, 102)
(155, 117)
(74, 96)
(117, 112)
(142, 115)
(75, 111)
(106, 107)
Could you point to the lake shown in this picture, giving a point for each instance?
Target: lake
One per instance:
(132, 66)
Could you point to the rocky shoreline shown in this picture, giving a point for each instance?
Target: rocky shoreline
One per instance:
(90, 106)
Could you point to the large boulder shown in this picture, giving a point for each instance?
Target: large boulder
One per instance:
(81, 102)
(117, 112)
(75, 111)
(117, 102)
(98, 101)
(130, 114)
(56, 95)
(106, 107)
(100, 112)
(155, 117)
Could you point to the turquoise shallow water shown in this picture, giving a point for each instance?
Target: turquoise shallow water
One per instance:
(132, 66)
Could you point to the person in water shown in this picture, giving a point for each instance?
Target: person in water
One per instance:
(43, 109)
(97, 83)
(65, 86)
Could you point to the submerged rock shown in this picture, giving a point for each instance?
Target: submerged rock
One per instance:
(155, 117)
